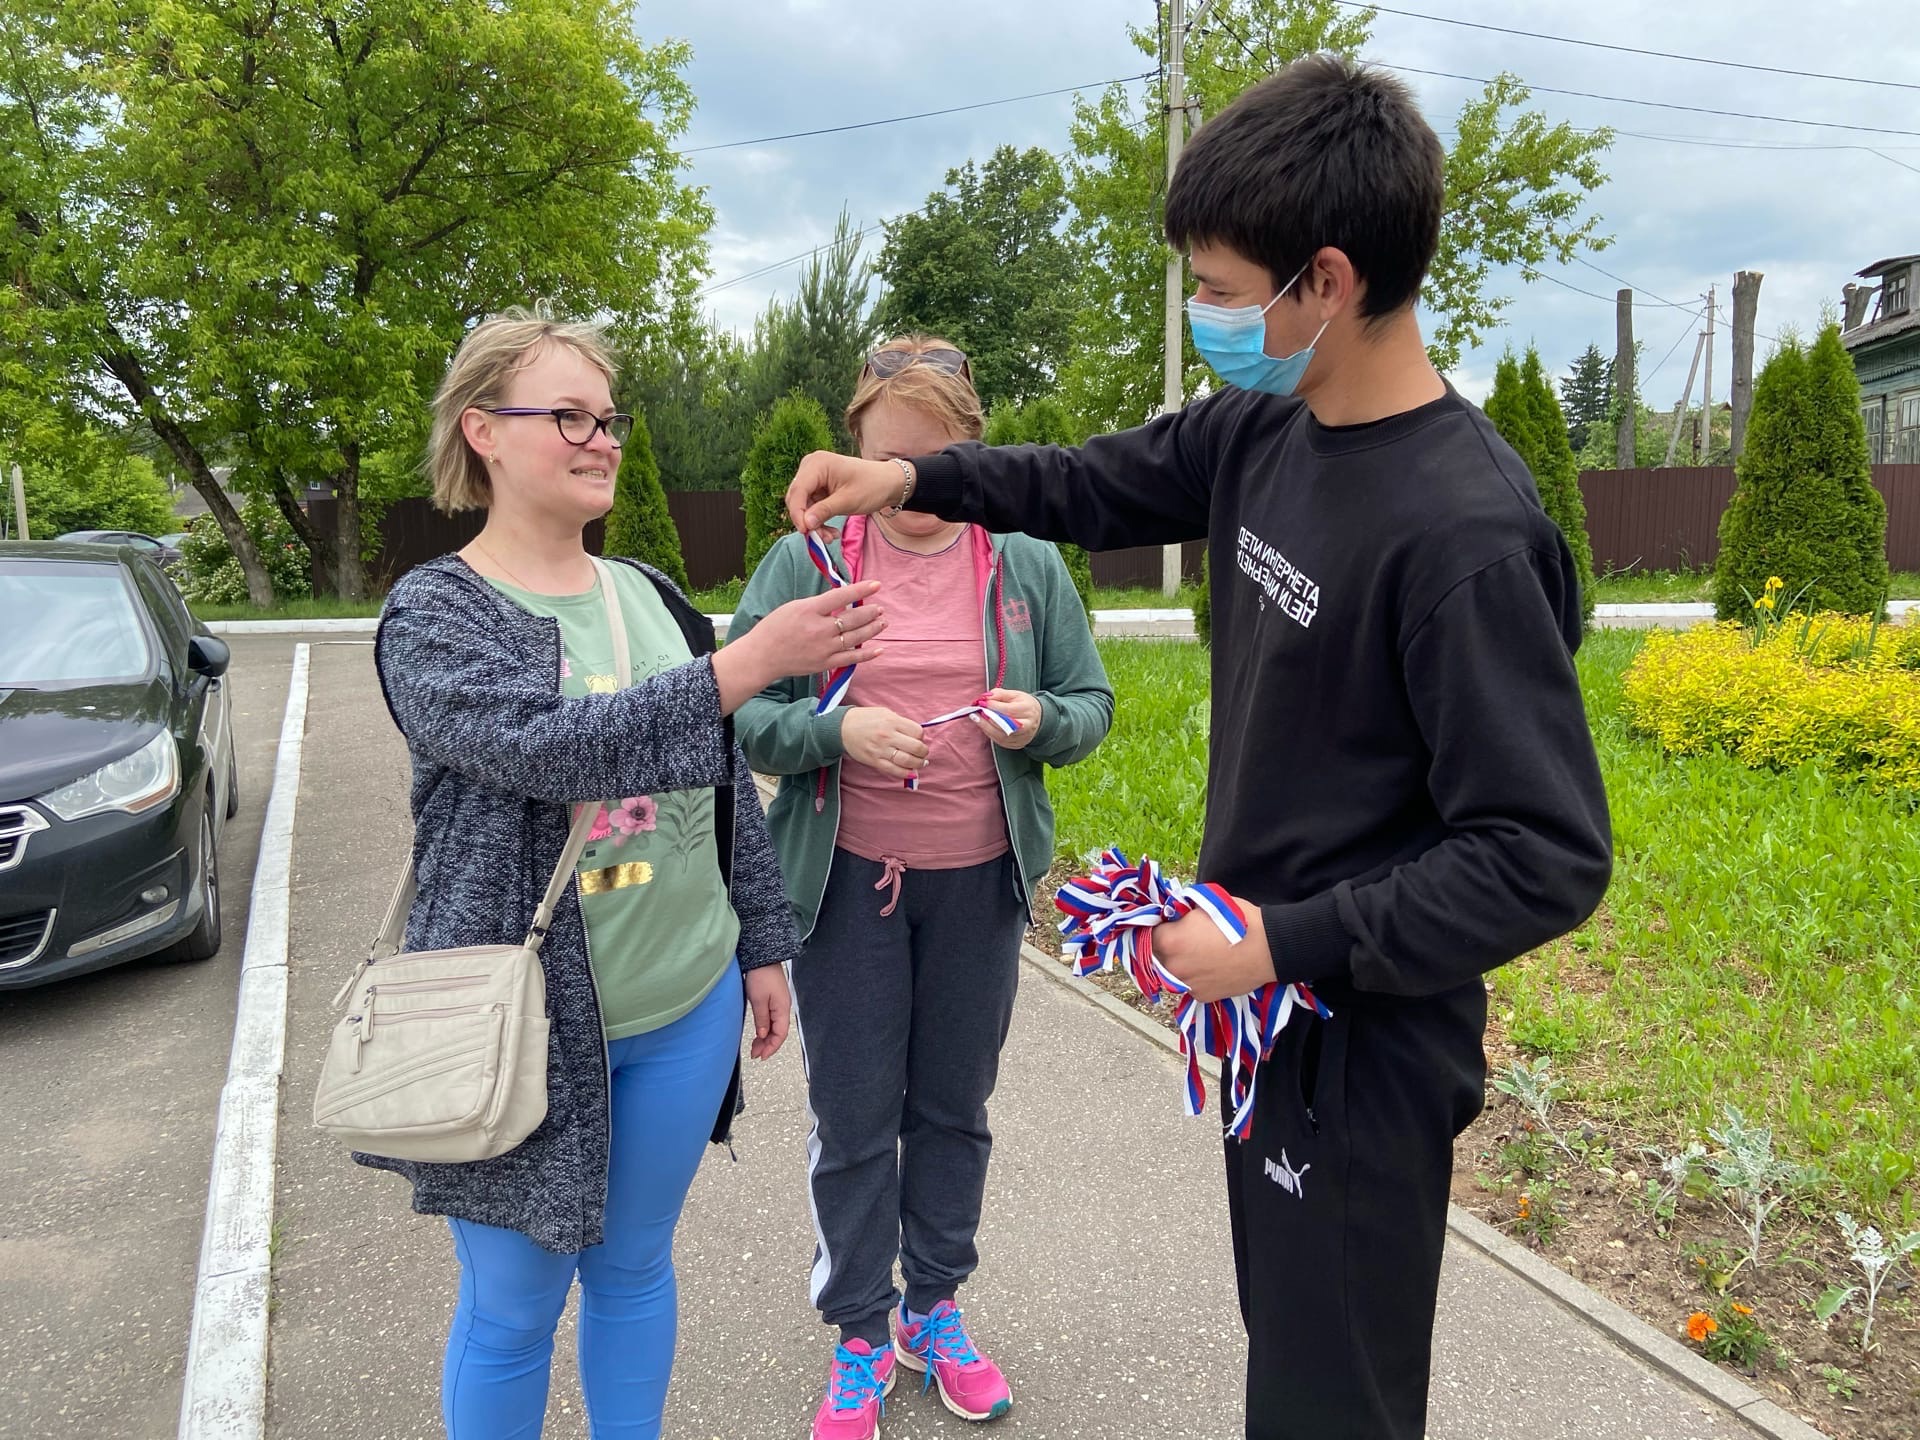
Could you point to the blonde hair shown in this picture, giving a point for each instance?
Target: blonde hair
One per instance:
(948, 398)
(495, 350)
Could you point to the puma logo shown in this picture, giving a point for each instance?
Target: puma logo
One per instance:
(1286, 1177)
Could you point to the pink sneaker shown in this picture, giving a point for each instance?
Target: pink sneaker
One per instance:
(857, 1389)
(971, 1386)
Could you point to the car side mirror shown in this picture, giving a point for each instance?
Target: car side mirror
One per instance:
(209, 656)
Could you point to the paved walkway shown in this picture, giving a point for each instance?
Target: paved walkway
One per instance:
(1106, 1288)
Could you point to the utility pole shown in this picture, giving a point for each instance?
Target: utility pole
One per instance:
(1746, 307)
(19, 506)
(1174, 395)
(1623, 378)
(1680, 410)
(1703, 437)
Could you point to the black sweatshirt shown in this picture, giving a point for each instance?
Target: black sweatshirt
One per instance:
(1401, 772)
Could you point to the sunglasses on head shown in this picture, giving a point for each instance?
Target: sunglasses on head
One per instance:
(888, 363)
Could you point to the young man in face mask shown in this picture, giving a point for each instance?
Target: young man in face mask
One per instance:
(1403, 793)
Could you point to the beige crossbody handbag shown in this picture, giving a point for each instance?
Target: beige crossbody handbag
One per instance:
(442, 1054)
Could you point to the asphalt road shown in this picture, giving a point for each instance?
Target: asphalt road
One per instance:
(111, 1082)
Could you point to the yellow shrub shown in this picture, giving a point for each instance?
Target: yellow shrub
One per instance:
(1827, 689)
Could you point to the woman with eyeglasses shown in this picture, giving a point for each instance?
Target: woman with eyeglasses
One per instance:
(913, 825)
(498, 666)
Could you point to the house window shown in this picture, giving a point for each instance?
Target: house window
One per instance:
(1905, 449)
(1872, 412)
(1894, 299)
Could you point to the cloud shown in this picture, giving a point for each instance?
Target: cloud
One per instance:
(1683, 214)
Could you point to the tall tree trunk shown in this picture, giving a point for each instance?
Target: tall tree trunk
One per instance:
(127, 369)
(346, 488)
(322, 564)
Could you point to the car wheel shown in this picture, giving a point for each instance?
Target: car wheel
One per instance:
(204, 942)
(233, 778)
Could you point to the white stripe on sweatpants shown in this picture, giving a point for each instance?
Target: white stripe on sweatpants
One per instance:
(823, 1258)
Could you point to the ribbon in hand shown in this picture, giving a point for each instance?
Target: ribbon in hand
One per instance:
(835, 690)
(1111, 914)
(1006, 724)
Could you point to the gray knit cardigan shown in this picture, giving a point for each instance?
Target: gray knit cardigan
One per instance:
(499, 754)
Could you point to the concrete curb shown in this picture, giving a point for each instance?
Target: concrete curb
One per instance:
(224, 1396)
(1628, 1331)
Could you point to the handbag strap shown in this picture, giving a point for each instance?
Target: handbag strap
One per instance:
(393, 928)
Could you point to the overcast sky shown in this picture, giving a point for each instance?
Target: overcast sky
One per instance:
(1808, 211)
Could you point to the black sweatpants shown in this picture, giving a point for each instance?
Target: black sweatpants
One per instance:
(901, 1019)
(1339, 1209)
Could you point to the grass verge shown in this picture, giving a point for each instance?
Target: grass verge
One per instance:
(1755, 946)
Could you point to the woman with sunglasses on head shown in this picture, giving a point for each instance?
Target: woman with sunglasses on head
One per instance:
(499, 666)
(911, 902)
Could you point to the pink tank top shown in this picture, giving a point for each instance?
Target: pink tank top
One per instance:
(936, 661)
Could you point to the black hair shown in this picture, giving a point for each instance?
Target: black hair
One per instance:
(1324, 152)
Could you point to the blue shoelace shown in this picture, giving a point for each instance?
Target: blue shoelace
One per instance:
(944, 1337)
(855, 1381)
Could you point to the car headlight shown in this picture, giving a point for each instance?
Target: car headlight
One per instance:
(148, 777)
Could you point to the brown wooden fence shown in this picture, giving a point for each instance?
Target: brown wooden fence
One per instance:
(1652, 519)
(1659, 519)
(712, 526)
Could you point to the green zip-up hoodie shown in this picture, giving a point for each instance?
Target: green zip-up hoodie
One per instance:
(1049, 654)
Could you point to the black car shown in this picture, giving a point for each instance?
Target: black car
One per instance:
(117, 770)
(158, 548)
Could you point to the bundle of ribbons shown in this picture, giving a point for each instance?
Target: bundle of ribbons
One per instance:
(1111, 915)
(835, 690)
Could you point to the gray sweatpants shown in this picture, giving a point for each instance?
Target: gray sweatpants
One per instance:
(901, 1019)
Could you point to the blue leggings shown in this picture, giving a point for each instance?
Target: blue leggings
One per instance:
(667, 1088)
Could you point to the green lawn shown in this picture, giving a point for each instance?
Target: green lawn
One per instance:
(322, 609)
(1654, 587)
(1755, 948)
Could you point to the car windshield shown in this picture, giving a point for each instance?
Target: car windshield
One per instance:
(68, 623)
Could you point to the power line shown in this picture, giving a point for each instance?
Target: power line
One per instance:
(1654, 104)
(1743, 144)
(1634, 49)
(920, 115)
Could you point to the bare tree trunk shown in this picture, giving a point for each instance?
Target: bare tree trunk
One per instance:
(322, 566)
(1623, 455)
(351, 571)
(1746, 309)
(127, 369)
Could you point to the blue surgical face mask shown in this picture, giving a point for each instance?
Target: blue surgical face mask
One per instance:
(1233, 340)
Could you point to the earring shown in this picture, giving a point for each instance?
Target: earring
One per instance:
(493, 459)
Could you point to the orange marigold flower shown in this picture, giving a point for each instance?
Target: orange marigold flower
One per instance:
(1740, 1309)
(1700, 1325)
(1525, 1206)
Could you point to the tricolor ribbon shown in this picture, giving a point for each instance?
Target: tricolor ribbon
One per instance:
(835, 690)
(1006, 725)
(1111, 915)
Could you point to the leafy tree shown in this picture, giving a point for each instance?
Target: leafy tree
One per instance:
(640, 525)
(985, 264)
(817, 342)
(791, 431)
(77, 478)
(1045, 422)
(1523, 409)
(1516, 188)
(1586, 392)
(687, 380)
(1805, 508)
(265, 227)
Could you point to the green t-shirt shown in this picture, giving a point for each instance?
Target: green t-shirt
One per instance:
(660, 928)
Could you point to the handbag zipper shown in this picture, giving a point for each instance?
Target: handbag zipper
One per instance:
(407, 987)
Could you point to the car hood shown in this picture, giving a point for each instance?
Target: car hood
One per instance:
(49, 738)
